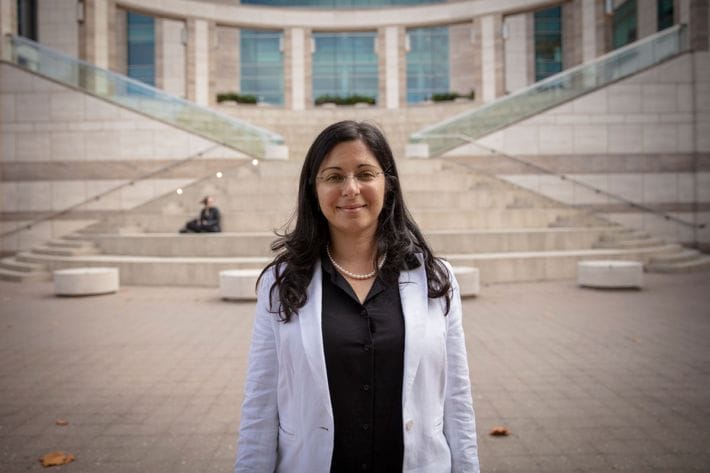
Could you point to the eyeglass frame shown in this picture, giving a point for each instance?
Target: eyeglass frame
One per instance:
(350, 176)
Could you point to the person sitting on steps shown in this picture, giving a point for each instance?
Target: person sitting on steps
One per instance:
(209, 220)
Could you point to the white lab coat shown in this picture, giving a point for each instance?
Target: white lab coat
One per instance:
(287, 419)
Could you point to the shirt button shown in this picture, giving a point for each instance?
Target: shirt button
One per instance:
(366, 347)
(363, 312)
(366, 387)
(409, 425)
(364, 466)
(365, 426)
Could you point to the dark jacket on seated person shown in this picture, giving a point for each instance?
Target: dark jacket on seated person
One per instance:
(209, 221)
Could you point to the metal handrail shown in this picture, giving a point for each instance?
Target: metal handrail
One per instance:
(565, 177)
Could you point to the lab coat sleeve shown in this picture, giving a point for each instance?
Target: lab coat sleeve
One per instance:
(459, 420)
(258, 430)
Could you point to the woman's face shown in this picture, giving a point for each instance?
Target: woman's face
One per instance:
(350, 185)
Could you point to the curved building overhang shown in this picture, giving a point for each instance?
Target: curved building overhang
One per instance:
(330, 19)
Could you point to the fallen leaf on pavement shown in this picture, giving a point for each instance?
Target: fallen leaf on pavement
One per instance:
(61, 422)
(499, 432)
(56, 459)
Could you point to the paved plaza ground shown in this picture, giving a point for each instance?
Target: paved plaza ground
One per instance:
(150, 379)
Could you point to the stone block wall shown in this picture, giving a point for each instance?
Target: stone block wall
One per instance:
(61, 147)
(645, 138)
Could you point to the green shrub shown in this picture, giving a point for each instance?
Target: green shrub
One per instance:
(349, 100)
(452, 96)
(234, 97)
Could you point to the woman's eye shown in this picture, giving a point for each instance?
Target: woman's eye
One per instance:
(366, 176)
(333, 179)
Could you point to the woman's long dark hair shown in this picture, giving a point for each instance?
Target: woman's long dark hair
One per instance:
(398, 237)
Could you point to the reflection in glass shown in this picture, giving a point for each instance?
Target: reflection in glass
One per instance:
(427, 63)
(261, 65)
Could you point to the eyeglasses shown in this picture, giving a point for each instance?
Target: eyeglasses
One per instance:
(335, 179)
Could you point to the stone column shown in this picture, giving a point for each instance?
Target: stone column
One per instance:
(296, 56)
(8, 23)
(198, 49)
(392, 49)
(491, 57)
(589, 30)
(647, 20)
(518, 47)
(461, 54)
(572, 31)
(101, 37)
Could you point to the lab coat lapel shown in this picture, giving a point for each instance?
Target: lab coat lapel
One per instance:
(413, 294)
(309, 319)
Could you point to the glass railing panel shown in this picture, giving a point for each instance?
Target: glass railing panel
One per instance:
(129, 93)
(553, 91)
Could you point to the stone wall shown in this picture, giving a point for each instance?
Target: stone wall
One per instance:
(61, 147)
(645, 138)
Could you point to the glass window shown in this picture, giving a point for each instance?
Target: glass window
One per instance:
(261, 65)
(27, 19)
(665, 14)
(427, 63)
(548, 42)
(624, 24)
(141, 47)
(345, 64)
(338, 3)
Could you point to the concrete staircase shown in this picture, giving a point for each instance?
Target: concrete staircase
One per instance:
(473, 219)
(20, 268)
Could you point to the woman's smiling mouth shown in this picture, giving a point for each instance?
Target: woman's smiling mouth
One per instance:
(352, 208)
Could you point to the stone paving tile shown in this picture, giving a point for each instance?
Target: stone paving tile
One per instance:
(151, 379)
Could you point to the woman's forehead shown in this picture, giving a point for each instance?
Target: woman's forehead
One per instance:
(349, 154)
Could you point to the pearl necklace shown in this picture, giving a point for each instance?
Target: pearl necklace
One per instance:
(351, 274)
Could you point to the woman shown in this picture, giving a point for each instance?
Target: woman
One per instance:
(357, 359)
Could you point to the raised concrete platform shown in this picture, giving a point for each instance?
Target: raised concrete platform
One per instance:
(610, 274)
(85, 281)
(468, 279)
(240, 284)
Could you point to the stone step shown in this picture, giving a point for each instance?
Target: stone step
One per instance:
(194, 271)
(261, 221)
(701, 263)
(22, 276)
(451, 199)
(20, 266)
(539, 266)
(259, 243)
(64, 251)
(631, 243)
(64, 243)
(681, 256)
(626, 235)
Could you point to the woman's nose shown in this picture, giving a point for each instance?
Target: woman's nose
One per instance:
(351, 186)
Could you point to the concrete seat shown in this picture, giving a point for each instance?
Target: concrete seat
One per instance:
(238, 284)
(468, 279)
(610, 274)
(85, 281)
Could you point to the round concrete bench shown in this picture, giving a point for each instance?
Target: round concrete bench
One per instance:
(610, 274)
(468, 279)
(238, 284)
(85, 281)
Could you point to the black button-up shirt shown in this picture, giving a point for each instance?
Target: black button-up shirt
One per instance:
(364, 355)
